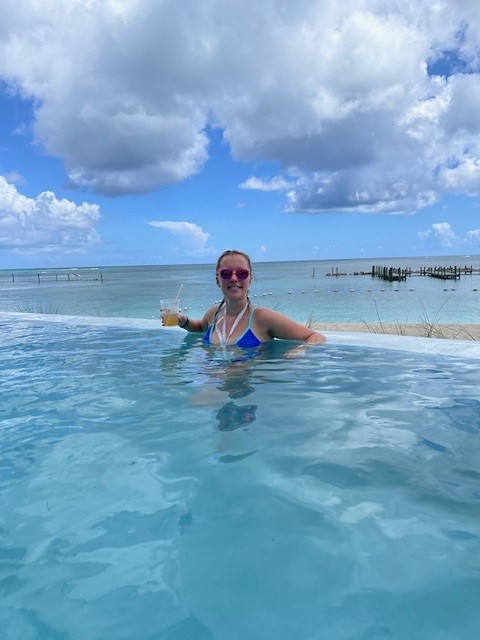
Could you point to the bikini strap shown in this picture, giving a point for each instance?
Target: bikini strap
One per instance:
(215, 317)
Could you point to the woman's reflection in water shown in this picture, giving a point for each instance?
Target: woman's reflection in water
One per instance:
(232, 383)
(228, 381)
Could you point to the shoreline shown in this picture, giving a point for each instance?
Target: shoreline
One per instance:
(448, 331)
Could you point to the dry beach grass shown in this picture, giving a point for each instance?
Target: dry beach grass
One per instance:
(454, 331)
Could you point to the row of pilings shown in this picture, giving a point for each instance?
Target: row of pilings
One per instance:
(442, 273)
(390, 274)
(69, 277)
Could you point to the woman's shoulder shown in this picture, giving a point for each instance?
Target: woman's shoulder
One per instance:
(211, 312)
(214, 308)
(264, 313)
(264, 317)
(273, 320)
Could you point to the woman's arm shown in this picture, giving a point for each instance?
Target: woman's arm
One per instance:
(197, 326)
(275, 325)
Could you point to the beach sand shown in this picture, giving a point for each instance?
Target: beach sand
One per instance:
(449, 331)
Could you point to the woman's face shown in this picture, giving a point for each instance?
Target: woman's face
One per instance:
(234, 288)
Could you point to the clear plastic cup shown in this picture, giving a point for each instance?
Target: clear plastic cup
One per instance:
(169, 312)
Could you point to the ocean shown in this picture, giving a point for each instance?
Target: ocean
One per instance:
(308, 291)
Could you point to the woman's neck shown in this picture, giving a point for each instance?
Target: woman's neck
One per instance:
(234, 308)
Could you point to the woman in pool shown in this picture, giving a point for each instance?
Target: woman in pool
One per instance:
(236, 321)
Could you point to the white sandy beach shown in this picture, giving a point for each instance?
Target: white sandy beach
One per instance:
(454, 331)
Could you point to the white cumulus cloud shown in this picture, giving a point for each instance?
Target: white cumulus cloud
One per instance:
(373, 106)
(442, 234)
(464, 177)
(258, 184)
(473, 236)
(45, 223)
(193, 238)
(445, 233)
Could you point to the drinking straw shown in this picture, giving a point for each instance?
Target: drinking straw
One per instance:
(178, 295)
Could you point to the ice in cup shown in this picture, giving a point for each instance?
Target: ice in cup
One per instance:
(169, 312)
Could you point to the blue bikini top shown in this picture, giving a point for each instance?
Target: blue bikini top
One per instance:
(246, 340)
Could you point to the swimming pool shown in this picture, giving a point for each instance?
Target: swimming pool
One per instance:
(150, 490)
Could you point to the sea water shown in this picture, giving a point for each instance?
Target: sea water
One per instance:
(151, 489)
(301, 290)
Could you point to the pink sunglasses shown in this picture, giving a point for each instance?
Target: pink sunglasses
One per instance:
(226, 274)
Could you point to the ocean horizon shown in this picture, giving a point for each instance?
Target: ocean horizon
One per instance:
(309, 291)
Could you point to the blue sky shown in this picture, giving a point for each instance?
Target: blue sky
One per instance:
(146, 132)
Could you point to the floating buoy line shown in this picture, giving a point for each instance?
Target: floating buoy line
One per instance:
(314, 291)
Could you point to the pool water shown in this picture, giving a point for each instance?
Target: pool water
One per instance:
(150, 489)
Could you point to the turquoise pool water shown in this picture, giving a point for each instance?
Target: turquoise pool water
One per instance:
(150, 490)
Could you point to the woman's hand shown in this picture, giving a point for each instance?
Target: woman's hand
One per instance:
(316, 338)
(170, 319)
(182, 321)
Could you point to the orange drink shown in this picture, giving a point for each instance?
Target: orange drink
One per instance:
(169, 312)
(170, 319)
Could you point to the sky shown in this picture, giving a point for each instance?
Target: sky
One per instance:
(163, 132)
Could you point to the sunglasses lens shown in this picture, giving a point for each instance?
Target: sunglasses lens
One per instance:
(242, 274)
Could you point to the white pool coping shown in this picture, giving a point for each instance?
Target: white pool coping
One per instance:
(431, 346)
